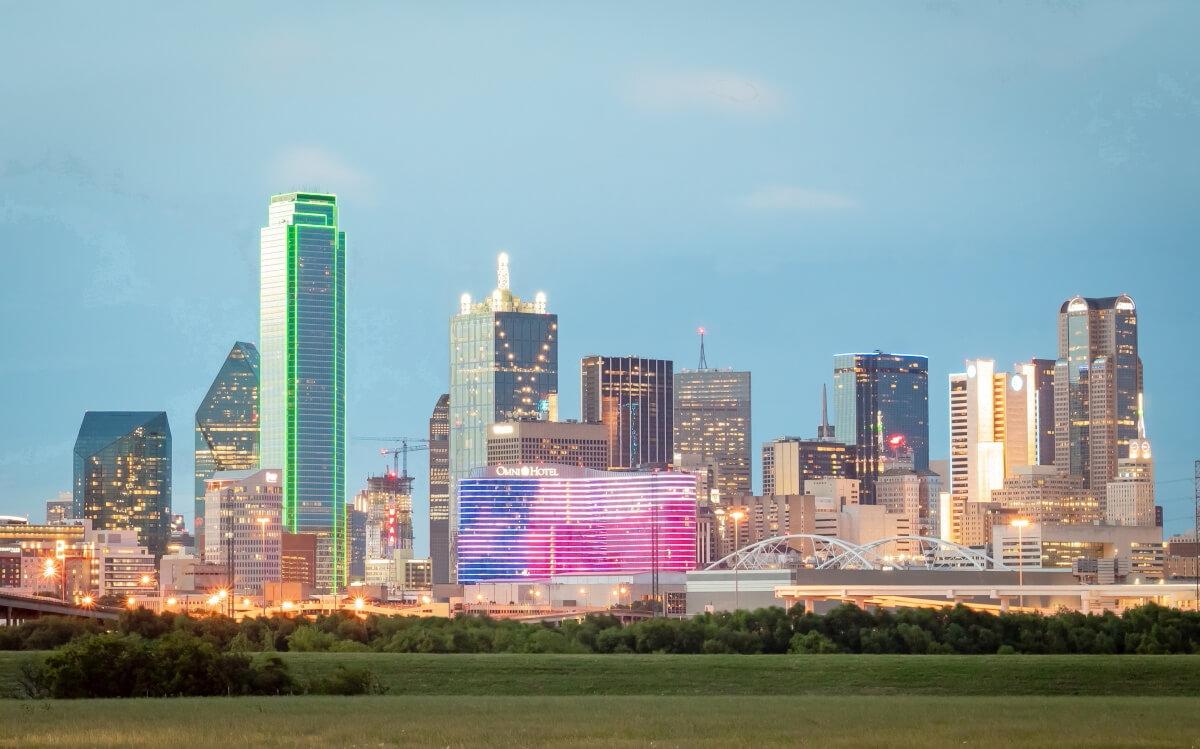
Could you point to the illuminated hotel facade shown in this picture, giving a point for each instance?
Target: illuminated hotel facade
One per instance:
(521, 522)
(302, 395)
(503, 367)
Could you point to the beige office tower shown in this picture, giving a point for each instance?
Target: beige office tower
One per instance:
(994, 419)
(1130, 496)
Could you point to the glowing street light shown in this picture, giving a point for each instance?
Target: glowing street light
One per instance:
(86, 601)
(359, 603)
(286, 606)
(1020, 524)
(737, 516)
(131, 602)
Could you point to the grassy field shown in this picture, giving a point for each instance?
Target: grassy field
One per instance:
(664, 701)
(604, 721)
(720, 675)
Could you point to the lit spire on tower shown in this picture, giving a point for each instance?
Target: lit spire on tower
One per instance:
(703, 361)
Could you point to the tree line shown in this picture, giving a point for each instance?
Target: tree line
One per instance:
(1150, 629)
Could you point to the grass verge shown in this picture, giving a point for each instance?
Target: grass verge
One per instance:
(604, 721)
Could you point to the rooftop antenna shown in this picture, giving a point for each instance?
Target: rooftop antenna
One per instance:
(703, 360)
(825, 431)
(502, 272)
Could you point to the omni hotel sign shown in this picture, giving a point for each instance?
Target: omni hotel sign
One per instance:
(527, 471)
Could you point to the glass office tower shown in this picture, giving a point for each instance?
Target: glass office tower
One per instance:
(439, 490)
(123, 474)
(302, 396)
(882, 405)
(1097, 386)
(712, 421)
(503, 367)
(227, 424)
(633, 397)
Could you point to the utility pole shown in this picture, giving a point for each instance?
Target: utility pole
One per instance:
(654, 587)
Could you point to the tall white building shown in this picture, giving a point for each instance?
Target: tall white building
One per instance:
(243, 512)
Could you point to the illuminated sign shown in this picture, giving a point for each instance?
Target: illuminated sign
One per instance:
(272, 477)
(502, 429)
(526, 471)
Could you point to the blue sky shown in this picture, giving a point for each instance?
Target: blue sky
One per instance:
(801, 179)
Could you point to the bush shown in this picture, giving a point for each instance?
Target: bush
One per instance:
(812, 643)
(347, 681)
(178, 664)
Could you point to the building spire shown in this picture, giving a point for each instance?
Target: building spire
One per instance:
(1141, 424)
(502, 272)
(703, 361)
(824, 431)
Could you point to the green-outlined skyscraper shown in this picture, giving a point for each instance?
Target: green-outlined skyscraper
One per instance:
(302, 394)
(227, 423)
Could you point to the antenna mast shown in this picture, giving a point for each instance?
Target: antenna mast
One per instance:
(703, 360)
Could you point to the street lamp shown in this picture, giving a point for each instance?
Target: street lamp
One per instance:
(1020, 524)
(737, 516)
(50, 571)
(262, 524)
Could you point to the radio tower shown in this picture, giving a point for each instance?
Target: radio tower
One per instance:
(703, 361)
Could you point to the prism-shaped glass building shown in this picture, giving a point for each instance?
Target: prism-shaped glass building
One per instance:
(227, 423)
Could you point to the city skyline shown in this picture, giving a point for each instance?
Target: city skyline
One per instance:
(750, 263)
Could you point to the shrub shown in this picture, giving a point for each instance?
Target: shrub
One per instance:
(178, 664)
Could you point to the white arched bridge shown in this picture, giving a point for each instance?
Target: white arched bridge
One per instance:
(806, 550)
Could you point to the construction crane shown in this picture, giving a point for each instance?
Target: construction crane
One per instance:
(400, 451)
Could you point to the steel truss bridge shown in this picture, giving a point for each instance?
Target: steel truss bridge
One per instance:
(809, 551)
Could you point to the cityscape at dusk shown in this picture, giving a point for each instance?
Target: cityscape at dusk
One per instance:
(678, 329)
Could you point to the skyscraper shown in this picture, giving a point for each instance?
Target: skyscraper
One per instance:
(227, 424)
(302, 399)
(1039, 376)
(712, 421)
(632, 396)
(1129, 499)
(882, 402)
(439, 490)
(123, 474)
(243, 511)
(1097, 385)
(993, 429)
(503, 367)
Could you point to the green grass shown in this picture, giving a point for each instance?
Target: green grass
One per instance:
(604, 721)
(767, 674)
(718, 675)
(664, 701)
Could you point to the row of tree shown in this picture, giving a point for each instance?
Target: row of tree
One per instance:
(844, 629)
(176, 664)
